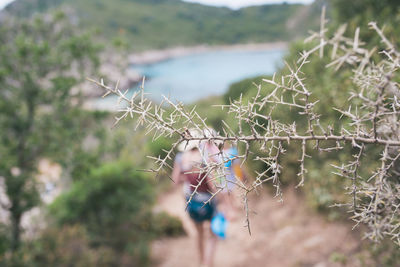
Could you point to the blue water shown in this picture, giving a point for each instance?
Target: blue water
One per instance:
(190, 78)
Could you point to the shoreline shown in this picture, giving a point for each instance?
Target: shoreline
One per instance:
(130, 77)
(154, 56)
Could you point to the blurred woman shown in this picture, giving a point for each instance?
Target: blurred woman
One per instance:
(187, 170)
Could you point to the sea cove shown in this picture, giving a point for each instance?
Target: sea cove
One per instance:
(193, 73)
(192, 77)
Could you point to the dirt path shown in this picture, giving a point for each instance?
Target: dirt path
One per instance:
(282, 235)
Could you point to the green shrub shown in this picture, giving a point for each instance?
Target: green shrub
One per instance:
(62, 247)
(113, 203)
(165, 225)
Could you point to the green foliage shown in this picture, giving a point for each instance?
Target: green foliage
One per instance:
(38, 117)
(66, 246)
(159, 24)
(242, 87)
(165, 225)
(111, 194)
(159, 146)
(338, 258)
(60, 247)
(114, 204)
(363, 11)
(4, 239)
(206, 108)
(385, 254)
(359, 13)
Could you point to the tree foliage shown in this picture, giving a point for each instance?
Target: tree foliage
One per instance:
(41, 61)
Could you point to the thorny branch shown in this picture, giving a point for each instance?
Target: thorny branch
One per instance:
(372, 116)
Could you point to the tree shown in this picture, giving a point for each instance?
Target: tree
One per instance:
(370, 118)
(41, 60)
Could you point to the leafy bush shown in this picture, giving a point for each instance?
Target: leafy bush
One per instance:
(165, 225)
(65, 246)
(114, 205)
(62, 247)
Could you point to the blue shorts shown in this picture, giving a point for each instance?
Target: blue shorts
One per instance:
(199, 211)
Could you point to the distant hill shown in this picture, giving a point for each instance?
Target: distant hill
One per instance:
(165, 23)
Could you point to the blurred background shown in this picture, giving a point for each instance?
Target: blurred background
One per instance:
(71, 192)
